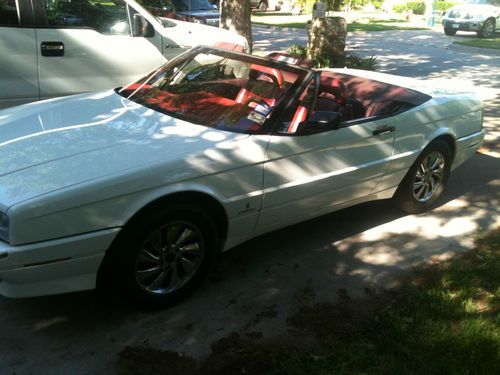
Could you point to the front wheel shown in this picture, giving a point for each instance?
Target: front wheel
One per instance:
(450, 31)
(488, 29)
(424, 183)
(165, 256)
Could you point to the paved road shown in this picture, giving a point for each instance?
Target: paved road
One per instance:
(257, 285)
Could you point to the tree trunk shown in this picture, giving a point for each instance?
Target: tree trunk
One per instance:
(235, 16)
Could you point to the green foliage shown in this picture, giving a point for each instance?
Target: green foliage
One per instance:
(416, 7)
(350, 60)
(445, 5)
(296, 50)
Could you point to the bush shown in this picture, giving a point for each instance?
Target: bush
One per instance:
(400, 8)
(415, 7)
(445, 5)
(418, 7)
(296, 50)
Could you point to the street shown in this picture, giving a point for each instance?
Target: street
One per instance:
(256, 286)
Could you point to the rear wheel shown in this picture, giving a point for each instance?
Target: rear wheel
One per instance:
(488, 29)
(425, 181)
(449, 31)
(165, 256)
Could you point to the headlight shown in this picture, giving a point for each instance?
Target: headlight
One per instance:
(4, 227)
(199, 20)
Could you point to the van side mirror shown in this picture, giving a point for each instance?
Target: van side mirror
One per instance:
(320, 121)
(141, 27)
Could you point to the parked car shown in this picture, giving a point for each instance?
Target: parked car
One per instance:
(481, 16)
(59, 47)
(142, 186)
(263, 5)
(159, 8)
(198, 11)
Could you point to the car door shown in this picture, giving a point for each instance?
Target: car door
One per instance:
(86, 45)
(307, 175)
(18, 56)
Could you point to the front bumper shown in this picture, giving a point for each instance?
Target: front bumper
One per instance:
(53, 267)
(462, 24)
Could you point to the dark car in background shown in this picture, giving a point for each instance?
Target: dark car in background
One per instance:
(199, 11)
(159, 8)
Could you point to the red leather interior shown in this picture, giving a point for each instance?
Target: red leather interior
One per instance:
(299, 116)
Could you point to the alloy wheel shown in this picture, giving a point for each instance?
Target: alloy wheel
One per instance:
(429, 177)
(169, 257)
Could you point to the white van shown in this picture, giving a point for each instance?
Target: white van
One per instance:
(52, 48)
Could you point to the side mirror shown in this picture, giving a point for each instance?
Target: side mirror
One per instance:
(321, 121)
(141, 27)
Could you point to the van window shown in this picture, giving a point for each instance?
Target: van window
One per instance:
(8, 13)
(104, 16)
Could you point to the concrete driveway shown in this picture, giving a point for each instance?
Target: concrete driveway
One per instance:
(256, 286)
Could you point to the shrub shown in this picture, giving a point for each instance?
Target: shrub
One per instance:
(416, 7)
(296, 50)
(445, 5)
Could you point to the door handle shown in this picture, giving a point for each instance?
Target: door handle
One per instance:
(383, 130)
(51, 49)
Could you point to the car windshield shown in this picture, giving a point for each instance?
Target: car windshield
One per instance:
(188, 5)
(218, 89)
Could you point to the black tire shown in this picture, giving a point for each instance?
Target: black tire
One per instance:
(421, 188)
(262, 6)
(449, 31)
(149, 244)
(488, 29)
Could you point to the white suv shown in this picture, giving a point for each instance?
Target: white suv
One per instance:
(62, 47)
(481, 16)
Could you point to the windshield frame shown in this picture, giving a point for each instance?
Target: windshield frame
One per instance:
(303, 76)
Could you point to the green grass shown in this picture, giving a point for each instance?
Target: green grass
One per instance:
(447, 321)
(300, 22)
(481, 43)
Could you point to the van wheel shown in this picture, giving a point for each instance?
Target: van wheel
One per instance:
(424, 183)
(165, 256)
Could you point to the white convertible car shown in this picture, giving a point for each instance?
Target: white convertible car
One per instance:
(141, 186)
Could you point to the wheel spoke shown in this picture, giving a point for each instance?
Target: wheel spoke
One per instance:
(148, 257)
(418, 193)
(417, 184)
(188, 266)
(144, 274)
(174, 276)
(186, 234)
(158, 281)
(192, 248)
(172, 233)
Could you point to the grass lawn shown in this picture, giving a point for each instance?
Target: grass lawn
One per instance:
(300, 22)
(447, 321)
(481, 43)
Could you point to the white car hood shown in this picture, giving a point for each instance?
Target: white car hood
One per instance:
(192, 34)
(50, 145)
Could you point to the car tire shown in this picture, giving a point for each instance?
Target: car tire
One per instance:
(450, 31)
(164, 256)
(488, 29)
(424, 183)
(262, 6)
